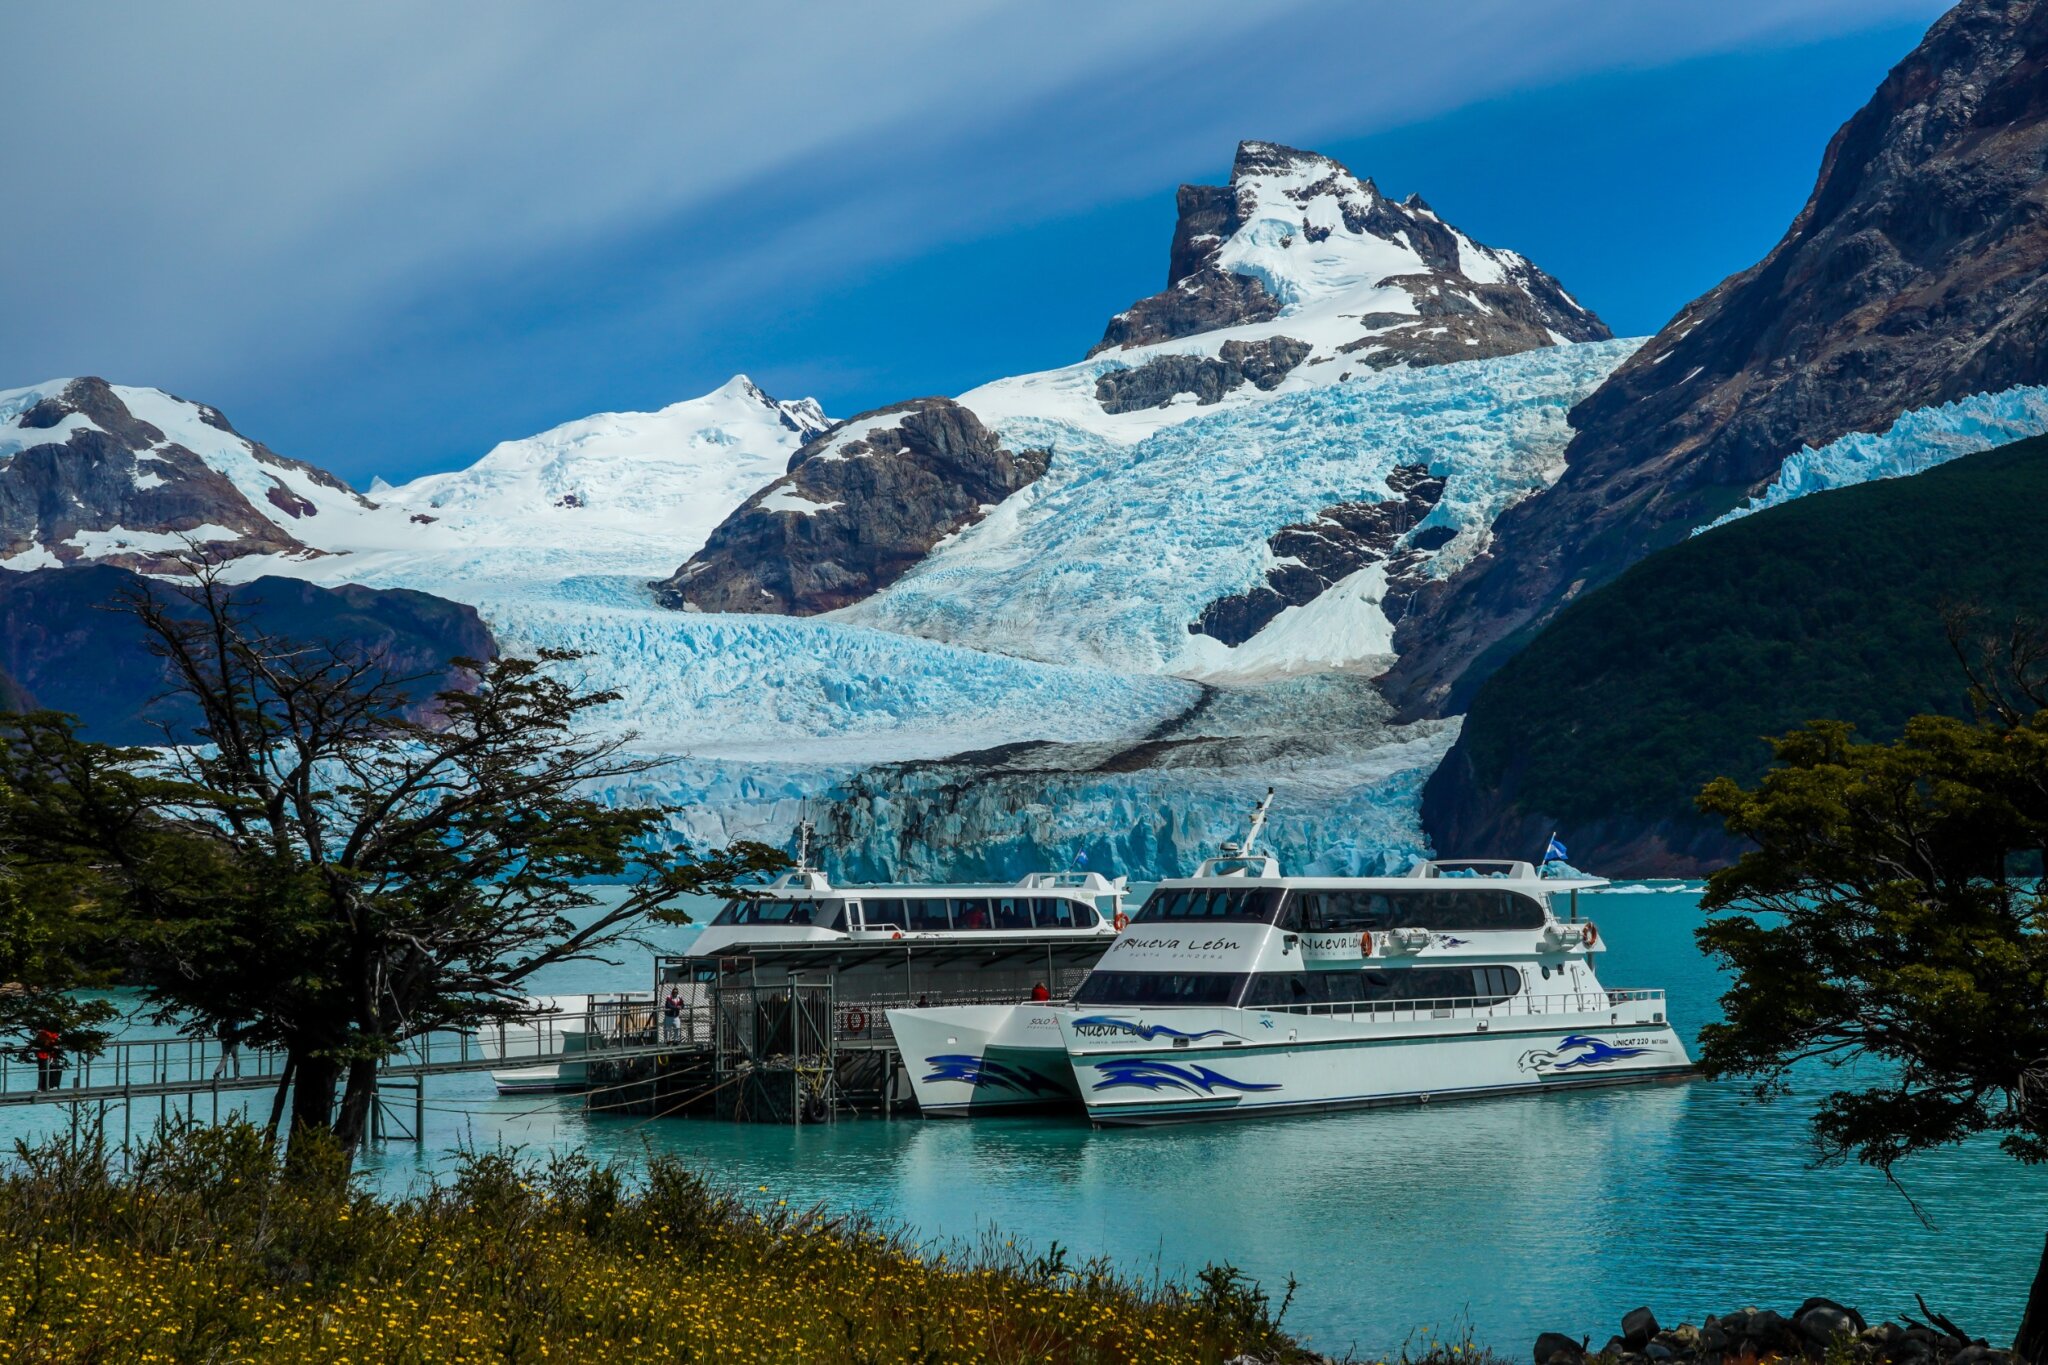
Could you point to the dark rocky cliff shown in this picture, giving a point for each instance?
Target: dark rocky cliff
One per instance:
(1914, 275)
(859, 507)
(65, 644)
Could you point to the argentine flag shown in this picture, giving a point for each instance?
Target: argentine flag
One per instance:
(1555, 853)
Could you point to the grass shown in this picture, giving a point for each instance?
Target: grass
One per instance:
(205, 1247)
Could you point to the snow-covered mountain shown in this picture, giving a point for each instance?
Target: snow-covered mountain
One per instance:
(127, 475)
(114, 474)
(1086, 610)
(1294, 275)
(658, 479)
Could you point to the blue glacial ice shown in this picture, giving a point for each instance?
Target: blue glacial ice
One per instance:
(782, 688)
(1918, 441)
(1341, 814)
(1109, 557)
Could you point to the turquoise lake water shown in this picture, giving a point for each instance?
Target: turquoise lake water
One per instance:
(1510, 1216)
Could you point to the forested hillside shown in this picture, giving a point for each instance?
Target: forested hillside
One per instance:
(1831, 606)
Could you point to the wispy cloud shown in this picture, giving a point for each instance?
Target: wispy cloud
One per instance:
(202, 189)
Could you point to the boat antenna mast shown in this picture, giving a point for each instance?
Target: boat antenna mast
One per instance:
(804, 829)
(1251, 838)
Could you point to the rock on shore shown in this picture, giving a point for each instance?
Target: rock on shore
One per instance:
(1812, 1331)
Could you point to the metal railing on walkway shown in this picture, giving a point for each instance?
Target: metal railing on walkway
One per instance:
(616, 1026)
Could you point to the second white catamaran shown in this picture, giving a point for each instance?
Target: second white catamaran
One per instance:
(1241, 992)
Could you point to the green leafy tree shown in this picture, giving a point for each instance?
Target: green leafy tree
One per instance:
(46, 944)
(341, 859)
(1891, 921)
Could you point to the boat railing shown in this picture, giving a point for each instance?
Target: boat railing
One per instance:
(867, 1018)
(888, 931)
(1487, 1007)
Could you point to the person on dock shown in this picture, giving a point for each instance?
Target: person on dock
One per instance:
(230, 1036)
(672, 1018)
(1039, 992)
(49, 1054)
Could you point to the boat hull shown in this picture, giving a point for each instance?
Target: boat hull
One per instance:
(967, 1060)
(1172, 1066)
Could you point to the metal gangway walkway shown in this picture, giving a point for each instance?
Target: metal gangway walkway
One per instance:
(565, 1028)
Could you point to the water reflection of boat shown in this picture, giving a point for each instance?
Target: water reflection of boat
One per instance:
(1240, 991)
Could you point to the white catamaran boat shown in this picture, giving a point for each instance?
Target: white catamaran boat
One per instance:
(1240, 992)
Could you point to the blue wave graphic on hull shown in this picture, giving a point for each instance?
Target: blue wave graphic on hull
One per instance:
(1591, 1052)
(1111, 1024)
(979, 1071)
(1140, 1073)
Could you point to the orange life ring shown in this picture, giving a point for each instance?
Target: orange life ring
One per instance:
(856, 1021)
(1592, 934)
(1122, 921)
(1365, 944)
(897, 934)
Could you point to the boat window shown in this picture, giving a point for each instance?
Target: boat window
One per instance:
(1160, 988)
(1053, 912)
(1012, 912)
(784, 913)
(1480, 985)
(1256, 904)
(1498, 982)
(1341, 910)
(926, 915)
(968, 913)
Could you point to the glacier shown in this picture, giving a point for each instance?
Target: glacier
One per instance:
(1343, 814)
(973, 817)
(1917, 441)
(1030, 694)
(1109, 557)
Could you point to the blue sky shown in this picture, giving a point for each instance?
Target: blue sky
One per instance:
(384, 237)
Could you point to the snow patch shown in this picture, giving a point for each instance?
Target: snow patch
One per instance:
(119, 540)
(1343, 628)
(787, 498)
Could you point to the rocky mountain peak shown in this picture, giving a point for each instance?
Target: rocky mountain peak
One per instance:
(1295, 244)
(858, 507)
(93, 471)
(800, 415)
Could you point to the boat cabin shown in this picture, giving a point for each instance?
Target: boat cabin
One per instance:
(899, 944)
(1240, 934)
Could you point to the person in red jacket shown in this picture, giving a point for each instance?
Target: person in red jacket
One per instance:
(1039, 992)
(49, 1055)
